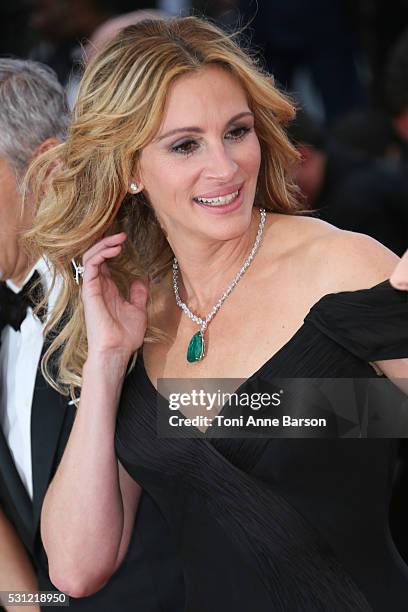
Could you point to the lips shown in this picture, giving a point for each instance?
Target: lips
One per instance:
(223, 209)
(221, 192)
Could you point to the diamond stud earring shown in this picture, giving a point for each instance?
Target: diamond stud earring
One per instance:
(133, 187)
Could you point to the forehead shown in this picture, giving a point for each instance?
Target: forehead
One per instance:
(211, 94)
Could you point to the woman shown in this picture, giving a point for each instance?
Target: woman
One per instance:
(177, 144)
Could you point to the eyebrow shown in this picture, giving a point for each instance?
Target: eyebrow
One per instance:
(198, 130)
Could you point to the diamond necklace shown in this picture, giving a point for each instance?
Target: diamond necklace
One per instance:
(196, 347)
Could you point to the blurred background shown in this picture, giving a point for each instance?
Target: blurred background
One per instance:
(344, 62)
(334, 53)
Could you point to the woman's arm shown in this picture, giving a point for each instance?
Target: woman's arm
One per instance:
(86, 525)
(357, 261)
(397, 369)
(90, 506)
(16, 571)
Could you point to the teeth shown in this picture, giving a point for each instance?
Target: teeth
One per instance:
(220, 201)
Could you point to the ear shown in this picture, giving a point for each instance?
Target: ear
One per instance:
(135, 187)
(44, 146)
(49, 143)
(135, 182)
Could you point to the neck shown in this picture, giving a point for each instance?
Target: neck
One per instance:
(21, 269)
(206, 270)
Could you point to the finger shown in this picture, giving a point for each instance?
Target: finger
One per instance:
(399, 278)
(92, 268)
(138, 293)
(105, 269)
(103, 244)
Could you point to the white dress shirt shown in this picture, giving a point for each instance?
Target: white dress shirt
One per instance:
(20, 354)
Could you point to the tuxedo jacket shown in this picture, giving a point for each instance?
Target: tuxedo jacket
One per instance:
(149, 579)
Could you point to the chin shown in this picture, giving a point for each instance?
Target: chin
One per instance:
(228, 227)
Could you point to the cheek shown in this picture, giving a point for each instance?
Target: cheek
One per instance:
(251, 157)
(10, 209)
(179, 179)
(9, 197)
(164, 174)
(168, 189)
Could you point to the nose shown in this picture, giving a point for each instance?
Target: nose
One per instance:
(220, 164)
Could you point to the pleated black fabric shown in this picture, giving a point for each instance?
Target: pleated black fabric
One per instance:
(282, 524)
(352, 319)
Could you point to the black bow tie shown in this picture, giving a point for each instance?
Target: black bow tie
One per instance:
(13, 306)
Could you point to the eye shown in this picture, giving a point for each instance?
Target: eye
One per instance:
(239, 133)
(189, 146)
(184, 148)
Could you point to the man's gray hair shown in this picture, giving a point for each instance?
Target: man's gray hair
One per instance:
(33, 108)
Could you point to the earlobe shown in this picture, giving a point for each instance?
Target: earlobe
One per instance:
(135, 187)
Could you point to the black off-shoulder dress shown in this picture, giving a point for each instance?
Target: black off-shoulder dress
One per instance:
(282, 524)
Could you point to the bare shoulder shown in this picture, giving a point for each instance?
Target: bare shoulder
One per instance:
(295, 231)
(333, 259)
(349, 261)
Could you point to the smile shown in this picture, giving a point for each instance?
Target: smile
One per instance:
(219, 201)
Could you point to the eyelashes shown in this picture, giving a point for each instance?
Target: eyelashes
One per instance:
(188, 147)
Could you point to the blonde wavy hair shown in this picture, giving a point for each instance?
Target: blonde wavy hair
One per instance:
(119, 110)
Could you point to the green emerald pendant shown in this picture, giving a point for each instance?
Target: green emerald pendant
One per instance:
(195, 350)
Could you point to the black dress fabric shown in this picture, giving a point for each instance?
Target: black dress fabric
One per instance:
(282, 524)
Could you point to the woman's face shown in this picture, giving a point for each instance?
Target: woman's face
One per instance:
(206, 147)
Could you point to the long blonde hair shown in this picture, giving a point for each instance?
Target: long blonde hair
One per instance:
(118, 111)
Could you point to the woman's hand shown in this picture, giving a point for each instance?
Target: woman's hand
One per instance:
(113, 324)
(399, 278)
